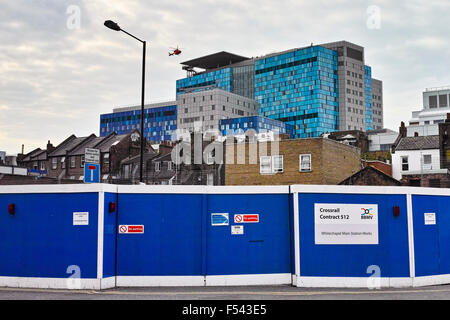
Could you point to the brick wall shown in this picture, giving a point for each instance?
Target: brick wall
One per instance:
(339, 161)
(54, 173)
(427, 180)
(331, 162)
(23, 180)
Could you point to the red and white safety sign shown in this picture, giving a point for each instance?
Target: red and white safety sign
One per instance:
(131, 229)
(246, 218)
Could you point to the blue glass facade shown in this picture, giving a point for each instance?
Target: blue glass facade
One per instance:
(300, 88)
(221, 79)
(258, 123)
(369, 97)
(159, 123)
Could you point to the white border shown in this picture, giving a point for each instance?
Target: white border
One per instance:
(431, 280)
(249, 279)
(410, 214)
(247, 189)
(370, 190)
(351, 282)
(201, 189)
(100, 234)
(59, 188)
(200, 281)
(160, 281)
(50, 283)
(107, 283)
(296, 237)
(160, 189)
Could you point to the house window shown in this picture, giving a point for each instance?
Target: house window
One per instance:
(277, 162)
(42, 165)
(72, 162)
(54, 163)
(169, 165)
(126, 171)
(210, 179)
(106, 159)
(265, 165)
(63, 162)
(157, 166)
(432, 101)
(82, 162)
(305, 163)
(405, 164)
(272, 164)
(427, 162)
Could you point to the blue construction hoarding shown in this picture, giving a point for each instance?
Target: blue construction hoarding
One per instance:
(101, 236)
(56, 235)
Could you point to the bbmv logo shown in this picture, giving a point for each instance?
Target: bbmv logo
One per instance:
(366, 213)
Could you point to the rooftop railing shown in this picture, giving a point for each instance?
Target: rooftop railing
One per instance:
(437, 88)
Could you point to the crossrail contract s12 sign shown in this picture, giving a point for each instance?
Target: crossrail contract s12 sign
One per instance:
(345, 223)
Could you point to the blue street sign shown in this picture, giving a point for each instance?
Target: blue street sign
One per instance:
(91, 173)
(220, 219)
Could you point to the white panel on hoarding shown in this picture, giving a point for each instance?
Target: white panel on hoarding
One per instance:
(346, 223)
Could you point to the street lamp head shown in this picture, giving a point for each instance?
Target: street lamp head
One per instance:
(112, 25)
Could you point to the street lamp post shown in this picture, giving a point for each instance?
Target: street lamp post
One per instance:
(114, 26)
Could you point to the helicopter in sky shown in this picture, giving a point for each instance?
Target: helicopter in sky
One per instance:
(174, 51)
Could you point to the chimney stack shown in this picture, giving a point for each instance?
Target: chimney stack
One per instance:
(402, 130)
(50, 147)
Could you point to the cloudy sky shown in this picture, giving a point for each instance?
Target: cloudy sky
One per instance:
(60, 68)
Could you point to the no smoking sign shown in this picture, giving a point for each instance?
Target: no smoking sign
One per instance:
(135, 229)
(246, 218)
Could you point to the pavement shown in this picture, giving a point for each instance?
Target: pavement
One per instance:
(230, 293)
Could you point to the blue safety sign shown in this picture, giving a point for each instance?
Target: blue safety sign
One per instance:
(220, 219)
(91, 173)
